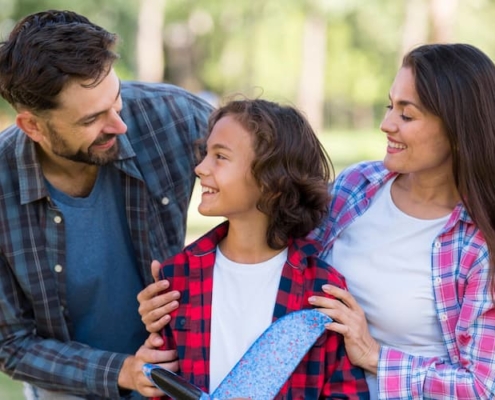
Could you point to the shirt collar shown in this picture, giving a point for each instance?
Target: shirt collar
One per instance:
(378, 176)
(298, 249)
(31, 181)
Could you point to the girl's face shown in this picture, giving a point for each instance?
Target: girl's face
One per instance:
(417, 141)
(228, 186)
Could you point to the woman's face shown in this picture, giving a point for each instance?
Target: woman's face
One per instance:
(416, 139)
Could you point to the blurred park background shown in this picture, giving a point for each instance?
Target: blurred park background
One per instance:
(334, 59)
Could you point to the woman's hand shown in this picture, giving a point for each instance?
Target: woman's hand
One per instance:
(350, 321)
(155, 303)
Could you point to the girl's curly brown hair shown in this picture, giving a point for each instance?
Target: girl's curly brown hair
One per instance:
(290, 166)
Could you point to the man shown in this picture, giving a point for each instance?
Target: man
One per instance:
(95, 177)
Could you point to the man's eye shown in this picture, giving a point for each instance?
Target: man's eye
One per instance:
(89, 121)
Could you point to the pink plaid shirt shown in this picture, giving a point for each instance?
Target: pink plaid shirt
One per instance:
(462, 292)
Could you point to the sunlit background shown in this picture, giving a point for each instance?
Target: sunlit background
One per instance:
(334, 59)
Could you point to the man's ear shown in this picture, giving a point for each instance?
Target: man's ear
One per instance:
(30, 124)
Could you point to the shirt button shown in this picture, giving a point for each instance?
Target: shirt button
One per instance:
(57, 219)
(58, 268)
(438, 281)
(443, 317)
(165, 201)
(455, 359)
(438, 244)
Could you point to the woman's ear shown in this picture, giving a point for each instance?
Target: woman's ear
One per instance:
(30, 125)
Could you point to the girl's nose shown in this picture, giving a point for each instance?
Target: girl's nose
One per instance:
(200, 169)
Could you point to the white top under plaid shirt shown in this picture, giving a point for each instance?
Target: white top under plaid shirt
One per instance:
(462, 294)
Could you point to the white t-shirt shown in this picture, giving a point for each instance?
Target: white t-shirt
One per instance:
(243, 300)
(385, 256)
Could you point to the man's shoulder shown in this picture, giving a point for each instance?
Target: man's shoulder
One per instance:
(16, 156)
(9, 141)
(160, 104)
(9, 134)
(135, 90)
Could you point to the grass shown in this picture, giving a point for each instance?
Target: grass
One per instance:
(10, 389)
(344, 148)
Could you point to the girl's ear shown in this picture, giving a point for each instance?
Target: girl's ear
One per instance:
(30, 124)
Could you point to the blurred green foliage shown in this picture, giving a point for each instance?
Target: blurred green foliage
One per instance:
(255, 46)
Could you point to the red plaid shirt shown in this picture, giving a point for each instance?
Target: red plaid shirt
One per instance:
(324, 373)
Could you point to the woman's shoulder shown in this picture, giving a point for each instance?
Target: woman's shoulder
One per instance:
(360, 175)
(363, 170)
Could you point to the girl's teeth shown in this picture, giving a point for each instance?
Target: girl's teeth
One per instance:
(396, 145)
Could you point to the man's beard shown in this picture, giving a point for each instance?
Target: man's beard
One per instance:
(61, 149)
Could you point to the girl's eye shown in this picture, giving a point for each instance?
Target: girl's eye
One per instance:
(389, 107)
(220, 157)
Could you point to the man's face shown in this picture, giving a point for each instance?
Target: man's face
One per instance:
(85, 127)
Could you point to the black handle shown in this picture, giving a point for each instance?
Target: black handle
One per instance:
(174, 385)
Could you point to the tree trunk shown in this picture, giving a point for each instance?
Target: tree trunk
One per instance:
(311, 91)
(443, 13)
(415, 30)
(149, 41)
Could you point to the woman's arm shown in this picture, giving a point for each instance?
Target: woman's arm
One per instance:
(405, 376)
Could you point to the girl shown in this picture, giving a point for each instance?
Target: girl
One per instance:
(266, 172)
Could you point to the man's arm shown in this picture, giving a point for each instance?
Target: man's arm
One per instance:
(54, 364)
(131, 375)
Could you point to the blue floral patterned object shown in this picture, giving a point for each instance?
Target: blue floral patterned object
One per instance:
(262, 370)
(271, 359)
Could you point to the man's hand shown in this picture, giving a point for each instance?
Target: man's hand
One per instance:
(131, 375)
(156, 303)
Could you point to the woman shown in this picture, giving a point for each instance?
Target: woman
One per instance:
(414, 235)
